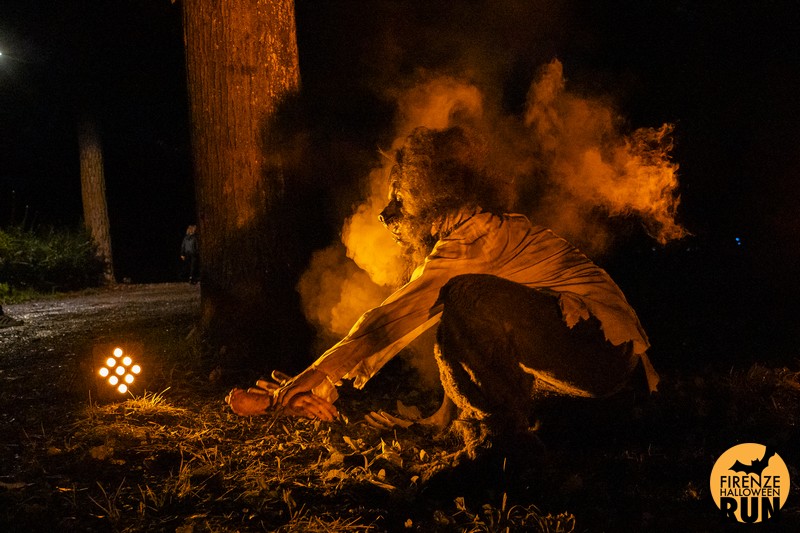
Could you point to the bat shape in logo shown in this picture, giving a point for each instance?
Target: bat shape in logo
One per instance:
(756, 466)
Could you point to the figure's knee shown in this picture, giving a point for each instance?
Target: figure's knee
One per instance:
(483, 317)
(468, 293)
(470, 320)
(497, 305)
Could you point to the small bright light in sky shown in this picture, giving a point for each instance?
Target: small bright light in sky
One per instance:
(127, 361)
(136, 369)
(122, 388)
(113, 380)
(738, 241)
(117, 352)
(111, 362)
(104, 371)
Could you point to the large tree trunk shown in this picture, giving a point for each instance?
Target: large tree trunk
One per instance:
(93, 192)
(242, 65)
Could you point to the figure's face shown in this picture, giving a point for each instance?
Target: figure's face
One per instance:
(401, 215)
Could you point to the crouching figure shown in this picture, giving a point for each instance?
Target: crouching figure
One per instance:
(518, 308)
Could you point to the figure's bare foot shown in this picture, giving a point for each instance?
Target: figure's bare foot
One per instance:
(443, 417)
(250, 402)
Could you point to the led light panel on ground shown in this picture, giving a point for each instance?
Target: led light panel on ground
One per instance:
(117, 370)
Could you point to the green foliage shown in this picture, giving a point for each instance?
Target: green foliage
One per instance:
(47, 260)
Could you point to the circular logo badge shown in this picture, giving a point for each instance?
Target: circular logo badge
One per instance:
(750, 483)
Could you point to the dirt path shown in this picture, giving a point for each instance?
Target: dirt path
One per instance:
(50, 323)
(45, 364)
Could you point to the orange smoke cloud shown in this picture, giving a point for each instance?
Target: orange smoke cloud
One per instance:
(558, 163)
(436, 104)
(335, 291)
(592, 164)
(368, 243)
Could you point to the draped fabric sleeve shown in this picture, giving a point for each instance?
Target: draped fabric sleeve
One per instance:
(383, 331)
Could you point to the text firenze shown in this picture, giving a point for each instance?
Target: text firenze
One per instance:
(750, 486)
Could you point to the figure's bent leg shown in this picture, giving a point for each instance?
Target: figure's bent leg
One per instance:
(497, 337)
(476, 357)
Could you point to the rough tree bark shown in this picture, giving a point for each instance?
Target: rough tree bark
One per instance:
(93, 192)
(242, 64)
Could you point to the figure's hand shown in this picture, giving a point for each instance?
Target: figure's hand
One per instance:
(385, 421)
(295, 397)
(311, 406)
(279, 379)
(301, 383)
(409, 416)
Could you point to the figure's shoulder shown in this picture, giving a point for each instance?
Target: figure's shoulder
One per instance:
(523, 221)
(518, 218)
(500, 226)
(521, 228)
(520, 222)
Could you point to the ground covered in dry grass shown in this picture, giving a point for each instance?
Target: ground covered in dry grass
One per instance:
(175, 459)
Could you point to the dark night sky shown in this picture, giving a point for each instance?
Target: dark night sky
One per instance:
(727, 75)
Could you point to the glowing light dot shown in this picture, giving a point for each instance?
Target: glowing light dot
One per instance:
(128, 379)
(136, 369)
(111, 362)
(122, 388)
(120, 370)
(117, 352)
(113, 380)
(104, 371)
(127, 361)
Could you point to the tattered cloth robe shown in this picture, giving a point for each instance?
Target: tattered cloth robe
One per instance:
(506, 246)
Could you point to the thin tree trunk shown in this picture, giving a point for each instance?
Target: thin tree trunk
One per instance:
(242, 63)
(93, 192)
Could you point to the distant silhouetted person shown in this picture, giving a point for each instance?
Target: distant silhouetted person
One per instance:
(190, 254)
(6, 321)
